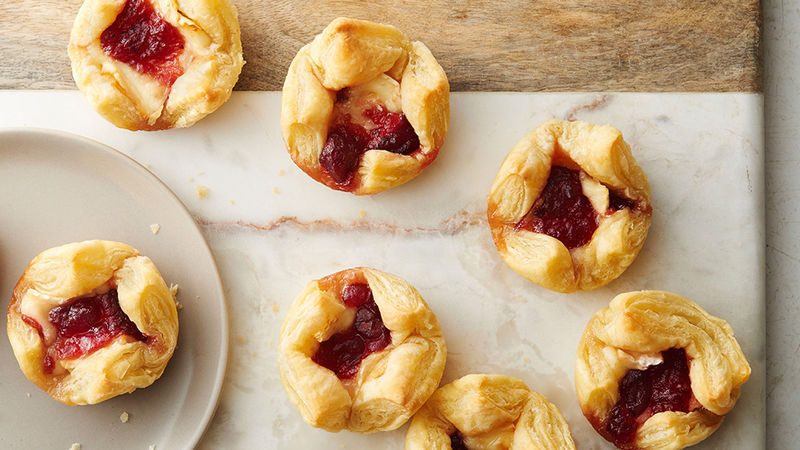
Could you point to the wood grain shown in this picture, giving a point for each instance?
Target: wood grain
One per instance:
(484, 45)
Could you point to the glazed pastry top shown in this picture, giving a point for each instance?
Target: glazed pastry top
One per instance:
(488, 412)
(644, 331)
(358, 58)
(134, 348)
(388, 385)
(116, 62)
(569, 208)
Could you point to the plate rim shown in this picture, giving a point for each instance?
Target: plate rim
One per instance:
(222, 361)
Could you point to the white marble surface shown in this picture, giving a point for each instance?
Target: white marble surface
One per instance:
(272, 229)
(781, 32)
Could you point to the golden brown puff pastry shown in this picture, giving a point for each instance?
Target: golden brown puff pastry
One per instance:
(360, 350)
(364, 108)
(488, 412)
(92, 320)
(569, 208)
(156, 64)
(655, 371)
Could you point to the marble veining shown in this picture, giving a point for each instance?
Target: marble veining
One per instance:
(272, 229)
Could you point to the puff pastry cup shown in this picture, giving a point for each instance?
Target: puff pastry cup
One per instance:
(488, 412)
(656, 371)
(569, 208)
(155, 64)
(376, 389)
(364, 108)
(92, 320)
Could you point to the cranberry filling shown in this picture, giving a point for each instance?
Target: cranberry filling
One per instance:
(140, 38)
(564, 212)
(347, 141)
(342, 151)
(662, 387)
(343, 352)
(85, 324)
(457, 441)
(616, 203)
(394, 132)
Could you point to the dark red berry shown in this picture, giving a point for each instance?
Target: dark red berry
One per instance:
(344, 351)
(661, 387)
(394, 132)
(85, 324)
(141, 38)
(342, 151)
(562, 211)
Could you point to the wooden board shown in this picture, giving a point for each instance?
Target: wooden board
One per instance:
(484, 45)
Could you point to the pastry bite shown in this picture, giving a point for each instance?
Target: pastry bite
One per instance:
(92, 320)
(656, 371)
(479, 412)
(360, 350)
(364, 108)
(155, 64)
(569, 208)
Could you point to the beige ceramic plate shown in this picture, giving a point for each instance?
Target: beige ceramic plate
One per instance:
(57, 188)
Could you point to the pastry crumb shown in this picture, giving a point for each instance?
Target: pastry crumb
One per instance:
(191, 179)
(75, 446)
(28, 394)
(147, 165)
(233, 202)
(202, 191)
(280, 173)
(201, 172)
(526, 359)
(275, 307)
(275, 190)
(241, 340)
(362, 214)
(123, 417)
(152, 447)
(154, 227)
(173, 290)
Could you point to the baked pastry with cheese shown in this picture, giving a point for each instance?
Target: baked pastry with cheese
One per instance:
(92, 320)
(479, 412)
(364, 108)
(569, 208)
(360, 350)
(656, 371)
(156, 64)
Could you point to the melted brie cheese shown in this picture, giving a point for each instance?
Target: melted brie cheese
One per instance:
(639, 361)
(37, 306)
(596, 192)
(382, 91)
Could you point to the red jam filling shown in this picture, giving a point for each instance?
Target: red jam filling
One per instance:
(141, 38)
(616, 203)
(394, 133)
(564, 212)
(85, 324)
(342, 151)
(457, 441)
(343, 352)
(347, 141)
(662, 387)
